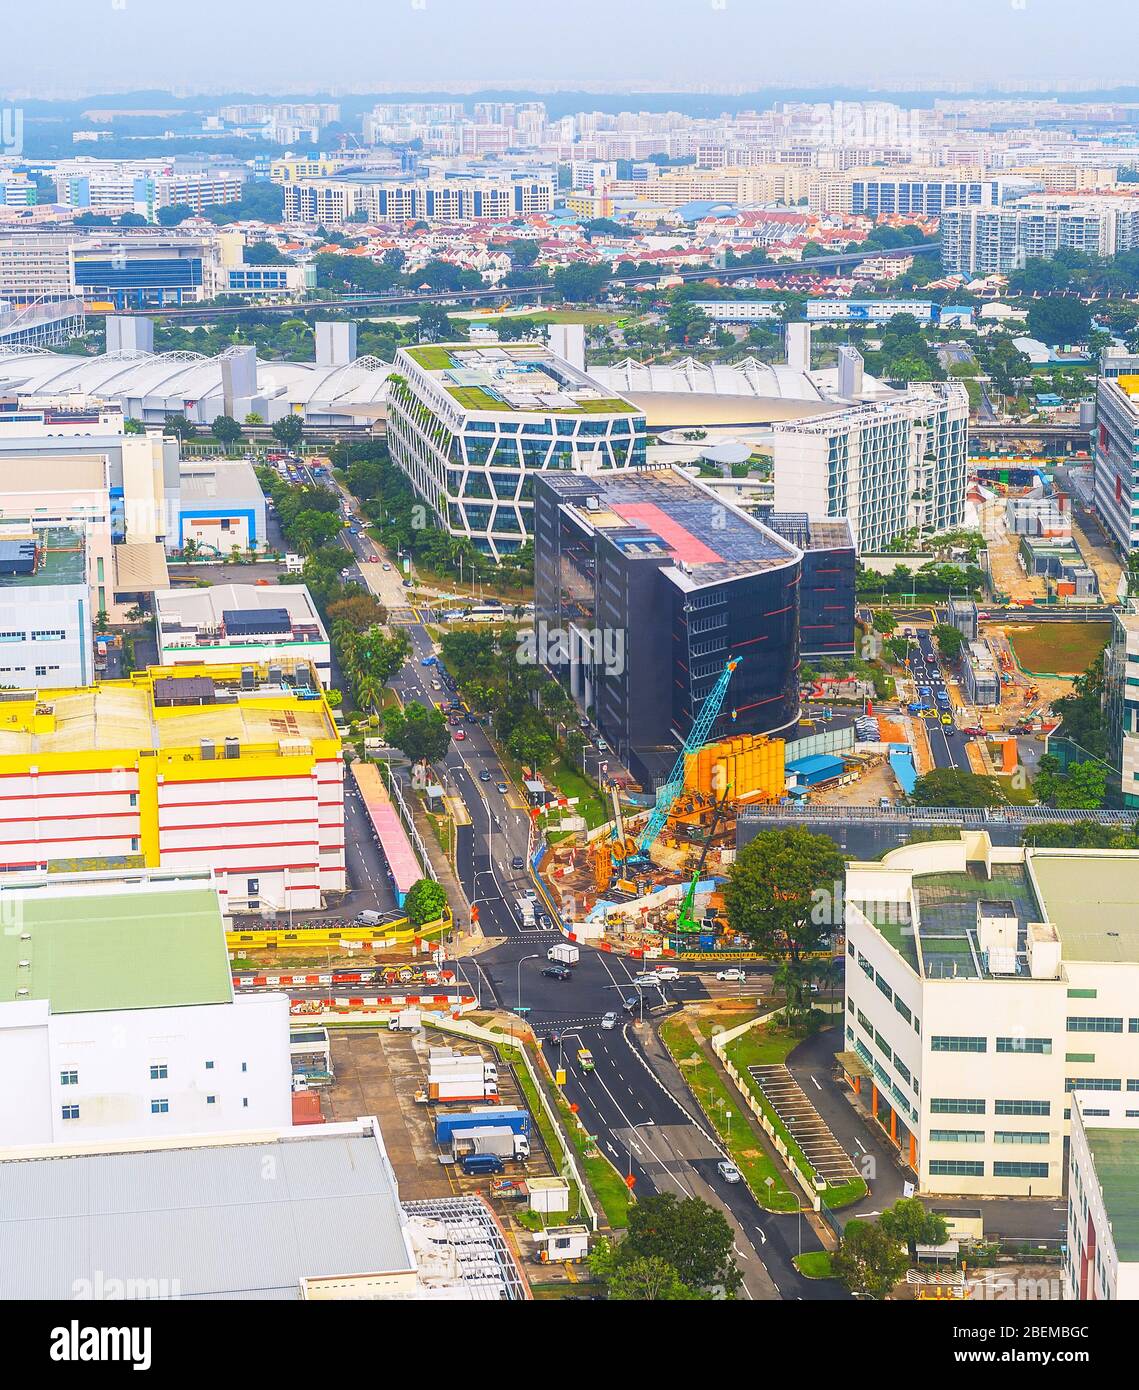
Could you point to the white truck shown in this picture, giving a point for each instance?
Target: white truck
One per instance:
(406, 1021)
(503, 1143)
(565, 953)
(526, 911)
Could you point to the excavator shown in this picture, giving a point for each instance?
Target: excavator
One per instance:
(686, 920)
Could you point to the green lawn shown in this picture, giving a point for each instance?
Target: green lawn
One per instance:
(716, 1098)
(570, 782)
(431, 359)
(1065, 648)
(768, 1047)
(814, 1264)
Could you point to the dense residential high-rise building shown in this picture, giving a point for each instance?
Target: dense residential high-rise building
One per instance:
(645, 584)
(888, 466)
(333, 201)
(997, 240)
(473, 426)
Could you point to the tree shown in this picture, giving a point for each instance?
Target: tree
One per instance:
(419, 733)
(359, 611)
(434, 324)
(382, 656)
(132, 426)
(1082, 788)
(691, 1236)
(180, 427)
(175, 214)
(783, 891)
(288, 430)
(868, 1261)
(225, 430)
(1059, 320)
(253, 418)
(102, 621)
(884, 621)
(647, 1279)
(425, 902)
(949, 640)
(579, 283)
(952, 786)
(911, 1225)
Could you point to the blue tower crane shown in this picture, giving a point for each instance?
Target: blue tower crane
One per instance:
(668, 791)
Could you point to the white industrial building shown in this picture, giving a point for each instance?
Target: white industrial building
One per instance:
(118, 1018)
(1101, 1253)
(46, 621)
(985, 985)
(236, 624)
(220, 507)
(273, 1213)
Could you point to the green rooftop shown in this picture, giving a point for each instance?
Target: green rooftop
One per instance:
(515, 377)
(1116, 1157)
(61, 558)
(134, 949)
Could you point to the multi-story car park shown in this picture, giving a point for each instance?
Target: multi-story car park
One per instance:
(994, 241)
(645, 583)
(889, 466)
(238, 768)
(472, 427)
(984, 986)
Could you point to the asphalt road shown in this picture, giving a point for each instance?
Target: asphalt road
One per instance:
(945, 740)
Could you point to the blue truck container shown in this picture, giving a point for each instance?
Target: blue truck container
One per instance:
(488, 1118)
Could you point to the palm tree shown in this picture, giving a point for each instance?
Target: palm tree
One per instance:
(789, 978)
(368, 691)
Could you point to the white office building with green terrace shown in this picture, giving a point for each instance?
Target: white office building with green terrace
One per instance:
(470, 425)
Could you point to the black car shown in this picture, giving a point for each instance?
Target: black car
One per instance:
(545, 921)
(484, 775)
(517, 862)
(557, 972)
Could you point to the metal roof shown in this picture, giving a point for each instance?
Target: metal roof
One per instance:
(132, 949)
(208, 1220)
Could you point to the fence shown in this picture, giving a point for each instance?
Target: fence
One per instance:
(408, 820)
(495, 1040)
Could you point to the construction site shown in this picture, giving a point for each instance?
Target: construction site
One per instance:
(651, 877)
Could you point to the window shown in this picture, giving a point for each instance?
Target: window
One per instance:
(158, 1071)
(1021, 1136)
(209, 1066)
(1020, 1170)
(70, 1112)
(865, 1023)
(1089, 1113)
(1133, 1084)
(903, 1010)
(245, 1066)
(1133, 1025)
(1079, 1056)
(1039, 1046)
(211, 1100)
(160, 1106)
(53, 634)
(1081, 994)
(941, 1106)
(1095, 1025)
(956, 1168)
(245, 1102)
(883, 986)
(1091, 1083)
(1022, 1107)
(957, 1136)
(883, 1046)
(252, 886)
(901, 1068)
(953, 1043)
(865, 966)
(69, 1078)
(41, 670)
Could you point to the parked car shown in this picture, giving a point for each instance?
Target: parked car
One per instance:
(475, 1165)
(734, 974)
(728, 1171)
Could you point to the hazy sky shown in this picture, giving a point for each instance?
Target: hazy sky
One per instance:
(56, 47)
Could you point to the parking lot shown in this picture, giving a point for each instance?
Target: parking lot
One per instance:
(378, 1073)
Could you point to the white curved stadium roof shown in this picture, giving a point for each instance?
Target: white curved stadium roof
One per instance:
(150, 386)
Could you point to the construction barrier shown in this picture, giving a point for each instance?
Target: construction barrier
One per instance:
(384, 937)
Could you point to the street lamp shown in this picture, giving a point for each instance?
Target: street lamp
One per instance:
(518, 974)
